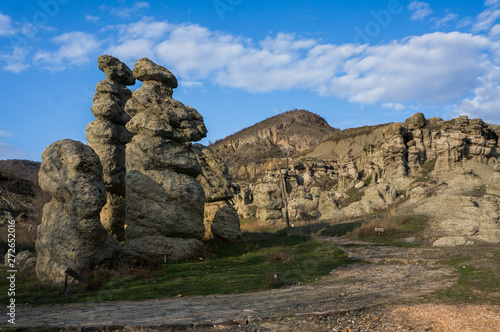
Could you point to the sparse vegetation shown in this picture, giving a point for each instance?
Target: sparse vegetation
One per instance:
(478, 282)
(427, 168)
(232, 267)
(394, 227)
(353, 195)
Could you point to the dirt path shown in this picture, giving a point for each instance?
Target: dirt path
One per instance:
(391, 275)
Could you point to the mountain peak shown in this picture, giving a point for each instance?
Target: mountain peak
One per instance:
(282, 135)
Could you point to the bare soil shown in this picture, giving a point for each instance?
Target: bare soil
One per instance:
(379, 294)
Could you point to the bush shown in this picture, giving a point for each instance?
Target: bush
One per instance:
(368, 229)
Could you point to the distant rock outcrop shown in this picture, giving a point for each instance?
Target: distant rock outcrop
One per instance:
(221, 219)
(165, 202)
(71, 234)
(108, 136)
(359, 171)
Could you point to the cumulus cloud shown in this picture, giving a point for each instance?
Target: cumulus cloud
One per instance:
(435, 68)
(432, 68)
(75, 48)
(486, 100)
(15, 62)
(396, 106)
(420, 10)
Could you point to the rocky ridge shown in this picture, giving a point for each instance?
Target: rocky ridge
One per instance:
(360, 171)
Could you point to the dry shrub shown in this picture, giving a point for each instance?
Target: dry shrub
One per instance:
(257, 226)
(132, 267)
(274, 280)
(368, 229)
(280, 256)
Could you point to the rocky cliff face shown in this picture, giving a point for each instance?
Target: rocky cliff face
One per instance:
(363, 170)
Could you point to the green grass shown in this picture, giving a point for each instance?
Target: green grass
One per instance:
(261, 262)
(353, 195)
(427, 168)
(475, 285)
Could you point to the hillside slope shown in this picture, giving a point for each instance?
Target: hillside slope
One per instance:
(283, 135)
(20, 195)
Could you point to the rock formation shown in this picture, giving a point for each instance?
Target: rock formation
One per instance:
(107, 135)
(268, 199)
(71, 234)
(221, 219)
(165, 202)
(360, 171)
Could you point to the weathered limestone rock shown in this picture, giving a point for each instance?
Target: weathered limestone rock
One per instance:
(221, 219)
(327, 206)
(452, 241)
(470, 218)
(268, 198)
(71, 234)
(394, 152)
(302, 204)
(416, 121)
(107, 135)
(165, 202)
(215, 177)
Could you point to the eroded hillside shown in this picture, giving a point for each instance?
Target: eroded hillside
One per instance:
(287, 134)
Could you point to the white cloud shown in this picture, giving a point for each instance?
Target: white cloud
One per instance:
(486, 100)
(75, 49)
(15, 62)
(8, 151)
(491, 2)
(444, 21)
(433, 68)
(420, 10)
(91, 18)
(397, 106)
(4, 133)
(486, 20)
(5, 25)
(126, 12)
(436, 68)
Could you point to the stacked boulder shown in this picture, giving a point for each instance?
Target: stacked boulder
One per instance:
(108, 136)
(221, 219)
(268, 198)
(71, 234)
(165, 202)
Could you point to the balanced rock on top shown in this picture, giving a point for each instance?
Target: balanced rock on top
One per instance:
(108, 136)
(165, 203)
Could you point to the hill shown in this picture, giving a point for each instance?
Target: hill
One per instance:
(286, 134)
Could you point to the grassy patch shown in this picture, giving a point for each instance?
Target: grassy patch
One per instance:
(475, 284)
(260, 262)
(427, 169)
(353, 195)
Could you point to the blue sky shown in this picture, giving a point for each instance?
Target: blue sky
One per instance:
(240, 61)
